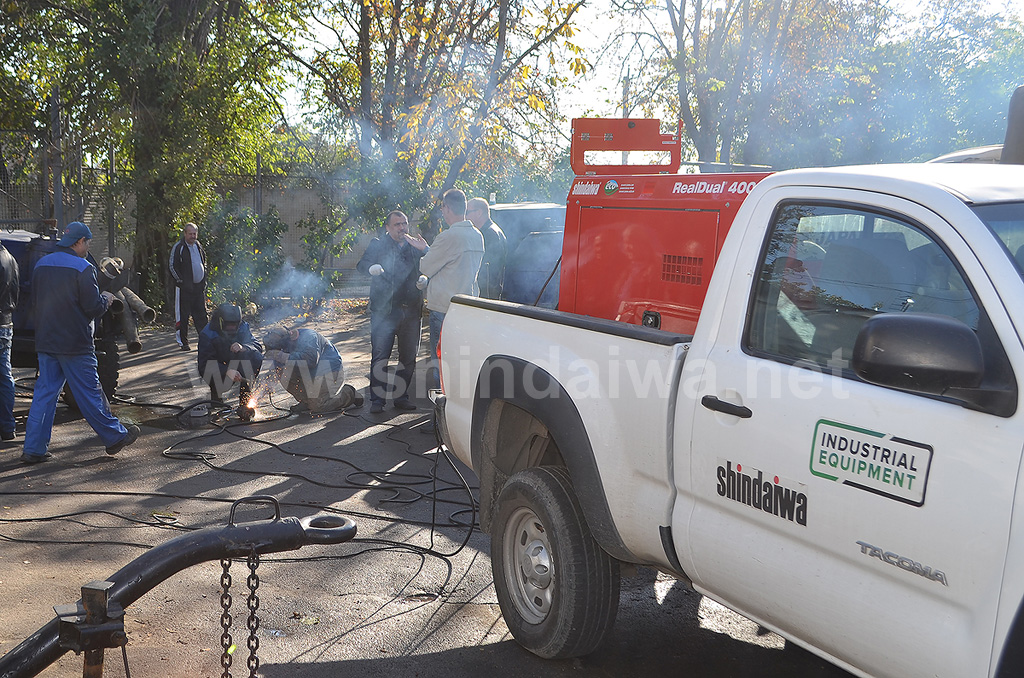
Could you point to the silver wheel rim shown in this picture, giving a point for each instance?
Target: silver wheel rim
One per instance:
(528, 565)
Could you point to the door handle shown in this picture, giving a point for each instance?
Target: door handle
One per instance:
(713, 403)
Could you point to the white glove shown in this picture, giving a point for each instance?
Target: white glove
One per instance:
(376, 269)
(421, 282)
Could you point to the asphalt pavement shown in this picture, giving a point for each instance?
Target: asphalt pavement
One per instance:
(411, 595)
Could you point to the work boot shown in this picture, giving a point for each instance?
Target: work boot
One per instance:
(348, 397)
(35, 458)
(129, 438)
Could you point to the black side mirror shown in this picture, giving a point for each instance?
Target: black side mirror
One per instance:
(918, 352)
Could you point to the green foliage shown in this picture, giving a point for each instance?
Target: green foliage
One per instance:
(321, 241)
(243, 253)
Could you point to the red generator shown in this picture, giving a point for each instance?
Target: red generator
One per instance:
(641, 241)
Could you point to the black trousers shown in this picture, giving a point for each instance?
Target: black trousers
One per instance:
(189, 304)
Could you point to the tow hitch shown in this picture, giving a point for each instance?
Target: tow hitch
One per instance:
(96, 622)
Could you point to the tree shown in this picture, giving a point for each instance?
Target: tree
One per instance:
(732, 64)
(423, 87)
(185, 89)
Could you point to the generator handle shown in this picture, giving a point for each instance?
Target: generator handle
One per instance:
(623, 134)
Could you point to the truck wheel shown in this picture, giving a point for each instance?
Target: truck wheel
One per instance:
(108, 364)
(557, 588)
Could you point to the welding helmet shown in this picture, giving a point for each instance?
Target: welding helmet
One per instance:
(227, 318)
(276, 338)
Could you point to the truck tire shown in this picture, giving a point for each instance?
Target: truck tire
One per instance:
(557, 588)
(108, 364)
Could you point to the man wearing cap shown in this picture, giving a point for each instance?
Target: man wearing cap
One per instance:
(229, 354)
(188, 268)
(65, 302)
(311, 369)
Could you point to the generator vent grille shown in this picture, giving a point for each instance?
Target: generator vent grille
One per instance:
(679, 269)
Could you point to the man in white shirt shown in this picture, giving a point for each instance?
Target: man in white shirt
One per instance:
(451, 263)
(188, 268)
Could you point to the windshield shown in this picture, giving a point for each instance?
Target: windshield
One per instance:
(1006, 221)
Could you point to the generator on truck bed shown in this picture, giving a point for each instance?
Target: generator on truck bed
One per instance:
(641, 241)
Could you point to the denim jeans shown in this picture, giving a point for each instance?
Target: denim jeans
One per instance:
(6, 382)
(402, 323)
(79, 371)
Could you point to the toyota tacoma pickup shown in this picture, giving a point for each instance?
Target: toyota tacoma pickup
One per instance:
(797, 392)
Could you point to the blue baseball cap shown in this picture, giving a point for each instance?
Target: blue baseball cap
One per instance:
(74, 232)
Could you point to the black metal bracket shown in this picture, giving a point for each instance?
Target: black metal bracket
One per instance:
(93, 623)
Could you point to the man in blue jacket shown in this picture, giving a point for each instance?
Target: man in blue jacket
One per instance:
(65, 302)
(229, 354)
(310, 368)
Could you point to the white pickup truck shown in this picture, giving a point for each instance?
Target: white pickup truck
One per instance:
(834, 453)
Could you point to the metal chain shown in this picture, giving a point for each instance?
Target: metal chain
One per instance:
(225, 618)
(254, 621)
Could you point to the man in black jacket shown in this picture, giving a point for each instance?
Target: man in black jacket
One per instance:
(396, 306)
(9, 281)
(188, 268)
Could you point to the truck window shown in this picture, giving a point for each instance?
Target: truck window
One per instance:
(1006, 221)
(827, 268)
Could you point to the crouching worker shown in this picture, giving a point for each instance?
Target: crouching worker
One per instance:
(310, 369)
(229, 354)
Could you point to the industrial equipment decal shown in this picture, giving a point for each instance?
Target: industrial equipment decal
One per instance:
(872, 461)
(761, 491)
(611, 186)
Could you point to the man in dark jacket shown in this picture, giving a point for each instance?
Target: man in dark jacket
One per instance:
(396, 305)
(188, 268)
(492, 270)
(65, 302)
(310, 368)
(9, 281)
(229, 354)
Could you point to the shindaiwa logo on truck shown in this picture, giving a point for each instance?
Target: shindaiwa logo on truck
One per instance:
(770, 496)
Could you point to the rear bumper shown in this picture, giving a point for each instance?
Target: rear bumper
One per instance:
(439, 400)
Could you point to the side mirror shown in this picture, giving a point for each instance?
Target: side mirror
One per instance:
(918, 352)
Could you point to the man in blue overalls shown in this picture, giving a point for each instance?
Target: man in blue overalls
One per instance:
(65, 302)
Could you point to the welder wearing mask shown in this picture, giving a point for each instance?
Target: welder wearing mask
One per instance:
(229, 354)
(311, 369)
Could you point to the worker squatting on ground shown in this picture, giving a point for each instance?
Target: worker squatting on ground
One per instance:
(65, 302)
(229, 354)
(311, 369)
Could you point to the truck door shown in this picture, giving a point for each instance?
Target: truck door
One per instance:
(865, 521)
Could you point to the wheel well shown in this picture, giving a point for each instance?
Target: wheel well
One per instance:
(1011, 663)
(522, 417)
(514, 440)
